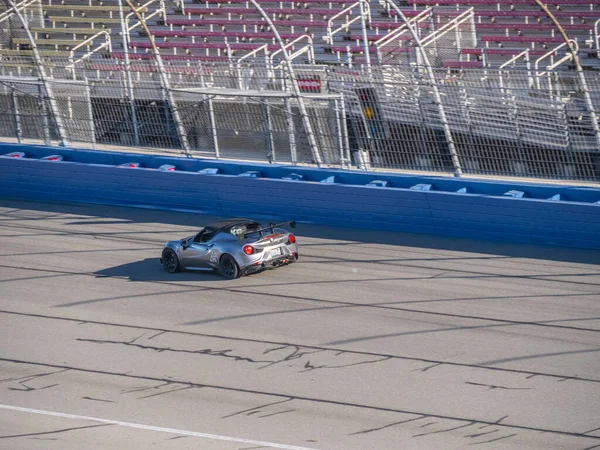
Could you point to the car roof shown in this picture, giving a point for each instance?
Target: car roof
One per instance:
(229, 223)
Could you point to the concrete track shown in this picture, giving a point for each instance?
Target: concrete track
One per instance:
(370, 341)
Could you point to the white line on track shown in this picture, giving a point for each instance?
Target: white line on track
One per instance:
(153, 428)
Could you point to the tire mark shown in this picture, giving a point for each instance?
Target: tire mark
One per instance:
(308, 349)
(444, 430)
(43, 433)
(371, 430)
(289, 398)
(493, 440)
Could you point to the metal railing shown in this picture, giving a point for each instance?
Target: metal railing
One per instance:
(509, 121)
(501, 123)
(106, 45)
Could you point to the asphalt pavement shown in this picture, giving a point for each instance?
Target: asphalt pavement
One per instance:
(372, 340)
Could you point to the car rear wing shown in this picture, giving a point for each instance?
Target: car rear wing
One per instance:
(291, 223)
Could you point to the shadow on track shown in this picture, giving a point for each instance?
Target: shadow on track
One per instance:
(150, 269)
(355, 235)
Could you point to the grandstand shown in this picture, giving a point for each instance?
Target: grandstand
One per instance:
(479, 86)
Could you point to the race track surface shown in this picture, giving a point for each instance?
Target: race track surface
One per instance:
(372, 340)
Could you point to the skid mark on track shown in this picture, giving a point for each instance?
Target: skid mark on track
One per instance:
(98, 400)
(372, 430)
(45, 433)
(207, 351)
(288, 398)
(256, 409)
(309, 349)
(491, 386)
(24, 380)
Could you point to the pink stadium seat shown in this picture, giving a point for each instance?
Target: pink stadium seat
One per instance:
(361, 49)
(414, 12)
(204, 45)
(500, 51)
(533, 26)
(223, 34)
(516, 24)
(375, 37)
(522, 39)
(538, 13)
(253, 11)
(170, 69)
(250, 22)
(149, 56)
(517, 13)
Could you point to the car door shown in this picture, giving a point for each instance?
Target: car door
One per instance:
(196, 254)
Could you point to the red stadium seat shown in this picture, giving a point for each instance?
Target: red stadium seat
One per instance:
(204, 45)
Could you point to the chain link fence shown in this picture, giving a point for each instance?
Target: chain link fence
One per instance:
(398, 114)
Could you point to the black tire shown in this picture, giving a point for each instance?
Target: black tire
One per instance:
(170, 261)
(228, 267)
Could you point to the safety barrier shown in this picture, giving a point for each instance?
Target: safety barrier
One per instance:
(529, 213)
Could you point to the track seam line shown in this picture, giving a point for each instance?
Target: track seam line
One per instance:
(304, 398)
(310, 347)
(248, 290)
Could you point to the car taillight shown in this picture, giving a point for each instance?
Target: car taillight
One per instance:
(248, 249)
(292, 239)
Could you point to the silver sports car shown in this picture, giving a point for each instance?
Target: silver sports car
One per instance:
(234, 247)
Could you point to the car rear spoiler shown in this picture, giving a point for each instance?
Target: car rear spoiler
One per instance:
(291, 223)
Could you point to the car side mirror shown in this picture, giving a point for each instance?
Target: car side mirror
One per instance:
(183, 243)
(293, 224)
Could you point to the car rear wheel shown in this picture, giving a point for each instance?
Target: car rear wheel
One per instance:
(228, 267)
(170, 261)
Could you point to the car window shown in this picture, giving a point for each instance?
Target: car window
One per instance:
(238, 230)
(208, 235)
(205, 235)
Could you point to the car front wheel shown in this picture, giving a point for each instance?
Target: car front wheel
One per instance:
(170, 261)
(228, 267)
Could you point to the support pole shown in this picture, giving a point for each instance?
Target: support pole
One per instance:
(88, 93)
(293, 84)
(268, 128)
(436, 92)
(291, 130)
(213, 127)
(17, 115)
(365, 38)
(10, 4)
(44, 109)
(580, 73)
(130, 93)
(164, 80)
(345, 135)
(338, 128)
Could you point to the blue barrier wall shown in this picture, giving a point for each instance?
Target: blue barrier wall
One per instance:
(482, 212)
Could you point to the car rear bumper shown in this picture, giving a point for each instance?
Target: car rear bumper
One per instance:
(274, 263)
